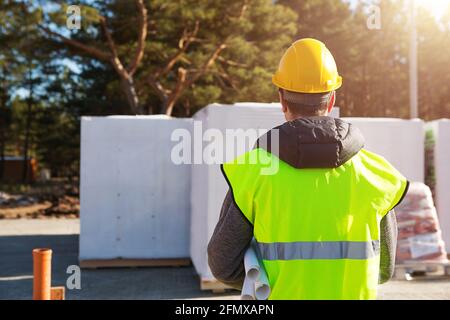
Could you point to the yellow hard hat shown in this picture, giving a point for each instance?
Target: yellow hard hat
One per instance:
(307, 67)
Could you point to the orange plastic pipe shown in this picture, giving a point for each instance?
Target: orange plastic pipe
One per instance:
(42, 274)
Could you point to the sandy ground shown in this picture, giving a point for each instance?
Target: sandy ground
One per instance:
(40, 201)
(18, 237)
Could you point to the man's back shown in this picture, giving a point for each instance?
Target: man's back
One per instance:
(318, 229)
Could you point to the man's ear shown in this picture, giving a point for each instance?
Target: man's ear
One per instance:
(332, 101)
(283, 105)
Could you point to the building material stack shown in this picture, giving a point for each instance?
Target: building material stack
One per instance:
(135, 201)
(419, 233)
(441, 171)
(399, 141)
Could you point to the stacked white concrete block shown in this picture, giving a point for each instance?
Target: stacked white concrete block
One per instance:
(135, 203)
(401, 142)
(441, 130)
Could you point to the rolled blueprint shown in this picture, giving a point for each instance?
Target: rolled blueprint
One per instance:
(251, 263)
(262, 288)
(256, 284)
(248, 289)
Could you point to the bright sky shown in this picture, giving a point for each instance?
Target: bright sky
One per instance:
(436, 7)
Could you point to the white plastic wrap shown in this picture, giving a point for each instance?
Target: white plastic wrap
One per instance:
(400, 141)
(441, 130)
(135, 202)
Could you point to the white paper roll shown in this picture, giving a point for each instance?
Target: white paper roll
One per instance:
(256, 284)
(251, 264)
(248, 289)
(262, 288)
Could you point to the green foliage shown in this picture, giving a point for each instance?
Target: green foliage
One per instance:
(255, 38)
(373, 63)
(58, 137)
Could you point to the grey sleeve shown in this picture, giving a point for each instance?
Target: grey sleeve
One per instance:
(388, 246)
(230, 240)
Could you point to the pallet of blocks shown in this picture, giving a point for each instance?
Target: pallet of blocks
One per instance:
(420, 248)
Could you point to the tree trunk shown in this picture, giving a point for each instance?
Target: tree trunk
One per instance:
(3, 125)
(27, 129)
(130, 92)
(27, 143)
(2, 153)
(3, 128)
(168, 107)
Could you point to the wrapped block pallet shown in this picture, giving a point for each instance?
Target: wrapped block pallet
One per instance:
(401, 142)
(135, 202)
(441, 133)
(419, 233)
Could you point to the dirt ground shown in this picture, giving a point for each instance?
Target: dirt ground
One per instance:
(53, 199)
(67, 208)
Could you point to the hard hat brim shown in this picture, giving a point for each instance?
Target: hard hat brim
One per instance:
(334, 87)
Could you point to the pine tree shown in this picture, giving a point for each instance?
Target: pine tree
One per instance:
(182, 54)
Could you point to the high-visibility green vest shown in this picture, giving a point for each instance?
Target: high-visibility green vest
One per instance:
(317, 230)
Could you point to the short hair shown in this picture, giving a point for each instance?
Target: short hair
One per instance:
(306, 104)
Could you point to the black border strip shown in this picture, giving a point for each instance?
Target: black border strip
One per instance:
(232, 196)
(403, 196)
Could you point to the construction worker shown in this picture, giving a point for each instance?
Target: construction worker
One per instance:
(324, 222)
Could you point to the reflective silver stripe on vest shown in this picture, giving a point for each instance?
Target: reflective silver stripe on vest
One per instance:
(319, 250)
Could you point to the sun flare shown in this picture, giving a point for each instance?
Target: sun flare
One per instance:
(436, 7)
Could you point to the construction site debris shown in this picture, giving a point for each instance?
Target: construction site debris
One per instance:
(16, 200)
(47, 204)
